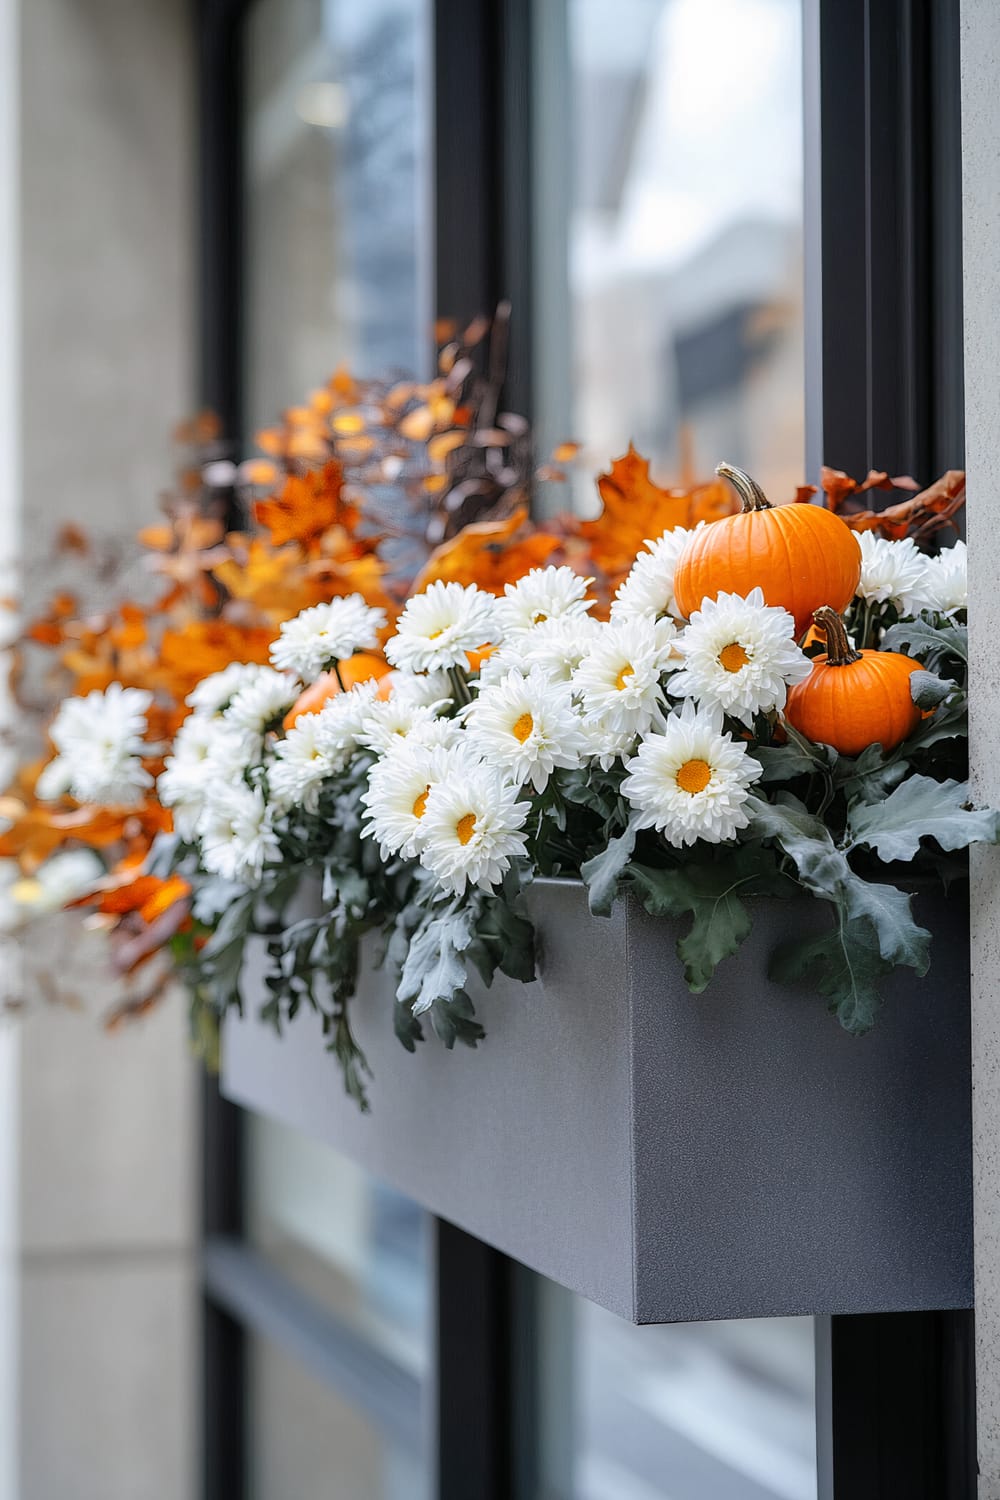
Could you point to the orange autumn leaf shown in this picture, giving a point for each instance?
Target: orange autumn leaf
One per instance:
(125, 891)
(636, 509)
(490, 554)
(306, 505)
(36, 832)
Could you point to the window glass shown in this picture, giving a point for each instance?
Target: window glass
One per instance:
(307, 1444)
(337, 158)
(354, 1244)
(683, 1412)
(669, 226)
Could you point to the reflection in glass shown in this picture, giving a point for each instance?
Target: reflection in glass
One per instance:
(697, 1411)
(307, 1444)
(669, 220)
(352, 1243)
(336, 161)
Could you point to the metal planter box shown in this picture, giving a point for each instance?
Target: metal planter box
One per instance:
(670, 1156)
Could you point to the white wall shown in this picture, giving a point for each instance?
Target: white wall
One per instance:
(105, 1123)
(981, 227)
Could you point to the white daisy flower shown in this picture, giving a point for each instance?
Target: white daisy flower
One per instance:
(526, 727)
(946, 582)
(340, 723)
(740, 655)
(262, 700)
(399, 786)
(649, 588)
(304, 759)
(555, 646)
(691, 780)
(604, 744)
(214, 692)
(440, 626)
(311, 642)
(541, 595)
(891, 573)
(421, 688)
(100, 743)
(472, 827)
(619, 678)
(205, 751)
(236, 833)
(387, 722)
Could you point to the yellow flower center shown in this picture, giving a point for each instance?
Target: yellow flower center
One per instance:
(694, 776)
(420, 806)
(624, 675)
(522, 727)
(435, 633)
(539, 617)
(466, 827)
(733, 657)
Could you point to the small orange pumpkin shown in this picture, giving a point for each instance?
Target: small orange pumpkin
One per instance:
(853, 699)
(357, 668)
(800, 556)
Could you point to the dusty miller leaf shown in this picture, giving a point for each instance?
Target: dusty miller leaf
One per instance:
(435, 967)
(713, 895)
(921, 808)
(844, 965)
(928, 690)
(603, 873)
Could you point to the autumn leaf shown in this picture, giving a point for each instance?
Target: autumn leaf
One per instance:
(636, 508)
(490, 554)
(306, 505)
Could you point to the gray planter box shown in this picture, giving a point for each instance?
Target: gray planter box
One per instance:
(672, 1157)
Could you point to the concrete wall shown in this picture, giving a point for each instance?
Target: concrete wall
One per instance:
(981, 214)
(108, 1398)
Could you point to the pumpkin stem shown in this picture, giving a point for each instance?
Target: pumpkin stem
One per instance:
(839, 651)
(748, 489)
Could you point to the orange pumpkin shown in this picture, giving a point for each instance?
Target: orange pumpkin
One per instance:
(800, 556)
(853, 699)
(358, 668)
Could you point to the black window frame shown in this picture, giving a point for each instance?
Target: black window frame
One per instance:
(895, 1393)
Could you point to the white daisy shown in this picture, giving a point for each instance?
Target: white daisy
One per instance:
(100, 743)
(604, 744)
(440, 626)
(205, 750)
(214, 692)
(236, 834)
(341, 719)
(424, 687)
(311, 642)
(891, 572)
(649, 588)
(619, 678)
(259, 703)
(946, 582)
(740, 655)
(526, 727)
(387, 722)
(556, 646)
(541, 595)
(399, 786)
(304, 759)
(691, 780)
(472, 827)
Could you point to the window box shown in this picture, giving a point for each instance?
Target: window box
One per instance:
(670, 1156)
